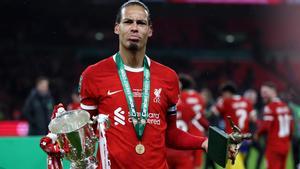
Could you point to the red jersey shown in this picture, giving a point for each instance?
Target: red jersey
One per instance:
(238, 108)
(279, 117)
(191, 119)
(195, 116)
(101, 89)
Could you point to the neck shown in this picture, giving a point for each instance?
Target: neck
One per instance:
(132, 59)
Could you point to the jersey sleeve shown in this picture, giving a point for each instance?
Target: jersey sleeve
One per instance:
(173, 94)
(266, 123)
(88, 99)
(178, 139)
(267, 114)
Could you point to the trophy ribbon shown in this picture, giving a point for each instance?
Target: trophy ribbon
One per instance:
(103, 123)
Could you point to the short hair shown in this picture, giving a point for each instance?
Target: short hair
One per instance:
(228, 87)
(41, 78)
(131, 3)
(187, 81)
(270, 85)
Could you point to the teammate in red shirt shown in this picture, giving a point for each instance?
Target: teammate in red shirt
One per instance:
(239, 109)
(235, 106)
(75, 104)
(190, 118)
(278, 124)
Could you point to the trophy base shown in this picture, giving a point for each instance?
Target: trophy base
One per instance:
(87, 163)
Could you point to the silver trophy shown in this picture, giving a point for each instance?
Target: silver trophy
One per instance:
(76, 135)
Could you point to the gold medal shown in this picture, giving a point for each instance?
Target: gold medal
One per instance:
(140, 149)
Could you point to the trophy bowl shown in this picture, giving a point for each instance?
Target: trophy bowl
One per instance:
(76, 135)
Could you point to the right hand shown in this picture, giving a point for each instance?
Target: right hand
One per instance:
(50, 146)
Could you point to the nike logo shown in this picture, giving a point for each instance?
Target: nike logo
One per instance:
(109, 93)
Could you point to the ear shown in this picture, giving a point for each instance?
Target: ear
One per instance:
(117, 28)
(150, 31)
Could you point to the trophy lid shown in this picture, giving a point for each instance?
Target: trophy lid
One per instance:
(69, 121)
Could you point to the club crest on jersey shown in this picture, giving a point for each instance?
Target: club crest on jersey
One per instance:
(157, 95)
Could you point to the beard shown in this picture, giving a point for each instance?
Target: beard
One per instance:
(133, 47)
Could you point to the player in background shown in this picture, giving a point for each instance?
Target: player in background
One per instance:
(75, 104)
(231, 104)
(252, 96)
(277, 123)
(190, 118)
(212, 119)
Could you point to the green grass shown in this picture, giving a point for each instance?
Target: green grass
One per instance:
(252, 161)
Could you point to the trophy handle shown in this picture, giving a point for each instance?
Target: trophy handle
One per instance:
(54, 162)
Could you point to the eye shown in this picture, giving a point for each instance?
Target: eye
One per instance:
(128, 21)
(141, 22)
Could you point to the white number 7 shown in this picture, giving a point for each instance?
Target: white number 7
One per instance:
(242, 115)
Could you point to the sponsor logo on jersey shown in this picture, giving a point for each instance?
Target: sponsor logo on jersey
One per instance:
(157, 93)
(119, 116)
(153, 118)
(109, 93)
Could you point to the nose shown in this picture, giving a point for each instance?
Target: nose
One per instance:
(134, 27)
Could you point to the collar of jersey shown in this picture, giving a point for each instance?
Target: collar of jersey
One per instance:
(275, 99)
(236, 97)
(131, 69)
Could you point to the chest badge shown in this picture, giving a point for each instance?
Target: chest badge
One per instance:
(157, 93)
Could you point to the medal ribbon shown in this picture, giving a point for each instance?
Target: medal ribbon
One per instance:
(138, 121)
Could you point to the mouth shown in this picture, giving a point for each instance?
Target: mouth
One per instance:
(134, 38)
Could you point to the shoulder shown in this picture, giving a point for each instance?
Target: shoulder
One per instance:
(99, 67)
(220, 102)
(162, 70)
(247, 101)
(268, 108)
(98, 71)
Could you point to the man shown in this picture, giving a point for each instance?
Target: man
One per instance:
(278, 124)
(238, 108)
(251, 95)
(38, 107)
(190, 118)
(75, 104)
(104, 90)
(139, 95)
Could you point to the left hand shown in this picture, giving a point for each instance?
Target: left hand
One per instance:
(205, 145)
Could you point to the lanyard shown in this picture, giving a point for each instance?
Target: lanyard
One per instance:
(138, 120)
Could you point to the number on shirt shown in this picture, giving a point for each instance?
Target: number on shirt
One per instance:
(241, 114)
(284, 125)
(182, 125)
